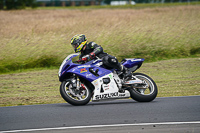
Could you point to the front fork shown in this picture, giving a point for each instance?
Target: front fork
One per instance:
(76, 83)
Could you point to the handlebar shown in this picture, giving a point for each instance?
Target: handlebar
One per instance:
(79, 61)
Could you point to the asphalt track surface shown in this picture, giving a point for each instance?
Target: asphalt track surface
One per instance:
(171, 114)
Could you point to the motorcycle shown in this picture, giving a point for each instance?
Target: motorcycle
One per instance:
(82, 82)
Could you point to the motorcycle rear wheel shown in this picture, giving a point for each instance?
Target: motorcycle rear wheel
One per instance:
(74, 96)
(144, 95)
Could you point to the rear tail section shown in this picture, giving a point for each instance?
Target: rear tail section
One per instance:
(132, 64)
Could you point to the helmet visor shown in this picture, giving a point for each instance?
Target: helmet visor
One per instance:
(75, 46)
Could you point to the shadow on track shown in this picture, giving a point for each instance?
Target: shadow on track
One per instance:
(107, 102)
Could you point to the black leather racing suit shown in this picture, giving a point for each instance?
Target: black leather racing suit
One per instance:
(93, 50)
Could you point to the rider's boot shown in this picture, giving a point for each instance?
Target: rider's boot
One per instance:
(126, 74)
(124, 70)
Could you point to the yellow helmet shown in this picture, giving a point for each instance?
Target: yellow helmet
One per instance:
(78, 42)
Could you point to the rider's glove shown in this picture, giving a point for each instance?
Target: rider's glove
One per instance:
(85, 58)
(92, 55)
(82, 60)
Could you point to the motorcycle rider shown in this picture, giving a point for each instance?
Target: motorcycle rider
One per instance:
(91, 50)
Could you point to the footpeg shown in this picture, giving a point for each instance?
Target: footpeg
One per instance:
(121, 91)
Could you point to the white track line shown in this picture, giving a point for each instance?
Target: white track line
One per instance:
(99, 126)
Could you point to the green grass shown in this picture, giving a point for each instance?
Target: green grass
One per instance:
(32, 40)
(41, 38)
(176, 77)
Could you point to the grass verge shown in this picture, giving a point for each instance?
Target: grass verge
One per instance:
(176, 77)
(41, 38)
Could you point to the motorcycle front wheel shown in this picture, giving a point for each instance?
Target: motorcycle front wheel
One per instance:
(74, 96)
(146, 94)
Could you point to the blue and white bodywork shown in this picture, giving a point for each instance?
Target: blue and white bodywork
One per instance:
(92, 81)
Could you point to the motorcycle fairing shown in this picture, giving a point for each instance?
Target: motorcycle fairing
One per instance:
(67, 61)
(84, 71)
(109, 90)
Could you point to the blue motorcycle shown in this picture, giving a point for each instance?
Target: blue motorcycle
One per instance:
(82, 82)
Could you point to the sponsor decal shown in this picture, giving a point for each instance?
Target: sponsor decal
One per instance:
(68, 59)
(83, 70)
(104, 96)
(106, 87)
(136, 60)
(84, 66)
(96, 83)
(99, 64)
(88, 75)
(122, 95)
(110, 76)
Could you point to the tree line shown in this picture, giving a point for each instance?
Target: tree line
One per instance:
(17, 4)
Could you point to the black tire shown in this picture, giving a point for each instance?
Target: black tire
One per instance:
(152, 89)
(68, 97)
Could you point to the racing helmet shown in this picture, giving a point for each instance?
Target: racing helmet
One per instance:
(78, 42)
